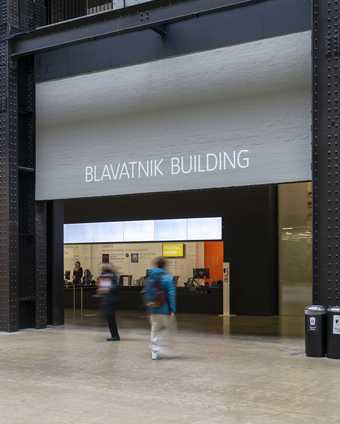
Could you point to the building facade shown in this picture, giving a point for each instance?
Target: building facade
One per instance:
(154, 83)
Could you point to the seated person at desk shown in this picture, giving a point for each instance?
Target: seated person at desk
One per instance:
(77, 273)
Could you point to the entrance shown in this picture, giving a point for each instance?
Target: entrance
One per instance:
(196, 266)
(220, 153)
(265, 236)
(249, 233)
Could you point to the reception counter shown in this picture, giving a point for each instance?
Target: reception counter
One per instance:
(206, 301)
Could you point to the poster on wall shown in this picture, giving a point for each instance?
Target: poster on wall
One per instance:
(105, 258)
(134, 258)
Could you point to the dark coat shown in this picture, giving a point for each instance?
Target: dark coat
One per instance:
(77, 275)
(111, 299)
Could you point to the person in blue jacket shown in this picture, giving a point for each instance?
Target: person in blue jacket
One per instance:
(161, 295)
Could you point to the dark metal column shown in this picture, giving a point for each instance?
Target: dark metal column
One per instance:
(56, 262)
(326, 88)
(8, 172)
(40, 271)
(22, 222)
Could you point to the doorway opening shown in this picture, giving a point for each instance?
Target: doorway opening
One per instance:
(193, 248)
(197, 269)
(265, 237)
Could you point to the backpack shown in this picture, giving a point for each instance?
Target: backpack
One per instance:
(154, 295)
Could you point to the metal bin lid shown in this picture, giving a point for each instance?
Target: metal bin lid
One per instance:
(335, 309)
(316, 310)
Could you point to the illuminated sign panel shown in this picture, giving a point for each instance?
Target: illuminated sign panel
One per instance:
(173, 250)
(188, 229)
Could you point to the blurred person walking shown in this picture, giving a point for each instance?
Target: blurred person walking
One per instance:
(160, 299)
(108, 291)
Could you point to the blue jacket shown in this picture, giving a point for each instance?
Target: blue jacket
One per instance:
(158, 274)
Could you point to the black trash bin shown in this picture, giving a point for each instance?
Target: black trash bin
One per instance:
(333, 332)
(315, 331)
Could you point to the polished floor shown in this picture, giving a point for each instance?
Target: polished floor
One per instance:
(279, 326)
(72, 375)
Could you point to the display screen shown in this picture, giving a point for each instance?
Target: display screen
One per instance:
(171, 229)
(173, 250)
(204, 229)
(186, 229)
(138, 231)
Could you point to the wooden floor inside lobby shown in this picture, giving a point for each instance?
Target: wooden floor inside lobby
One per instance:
(243, 370)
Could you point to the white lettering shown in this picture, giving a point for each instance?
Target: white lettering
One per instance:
(227, 159)
(189, 169)
(186, 164)
(243, 159)
(133, 165)
(195, 163)
(106, 173)
(115, 172)
(88, 174)
(175, 166)
(220, 161)
(210, 167)
(97, 180)
(141, 169)
(124, 171)
(158, 164)
(200, 169)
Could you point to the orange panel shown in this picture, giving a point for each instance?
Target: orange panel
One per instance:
(214, 259)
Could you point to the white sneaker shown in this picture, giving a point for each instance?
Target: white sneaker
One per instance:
(154, 356)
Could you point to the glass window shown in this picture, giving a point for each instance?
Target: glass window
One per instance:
(295, 247)
(150, 230)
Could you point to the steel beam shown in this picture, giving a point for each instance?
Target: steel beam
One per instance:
(153, 15)
(160, 30)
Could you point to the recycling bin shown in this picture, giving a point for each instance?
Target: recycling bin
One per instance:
(315, 331)
(333, 332)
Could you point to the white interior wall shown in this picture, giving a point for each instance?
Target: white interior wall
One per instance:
(90, 256)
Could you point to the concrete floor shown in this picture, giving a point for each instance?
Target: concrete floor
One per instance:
(72, 375)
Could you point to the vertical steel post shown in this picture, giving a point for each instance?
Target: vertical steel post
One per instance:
(22, 223)
(9, 315)
(326, 138)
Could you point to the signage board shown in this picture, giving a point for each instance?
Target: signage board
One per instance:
(233, 116)
(173, 250)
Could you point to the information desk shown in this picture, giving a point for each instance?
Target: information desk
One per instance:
(208, 301)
